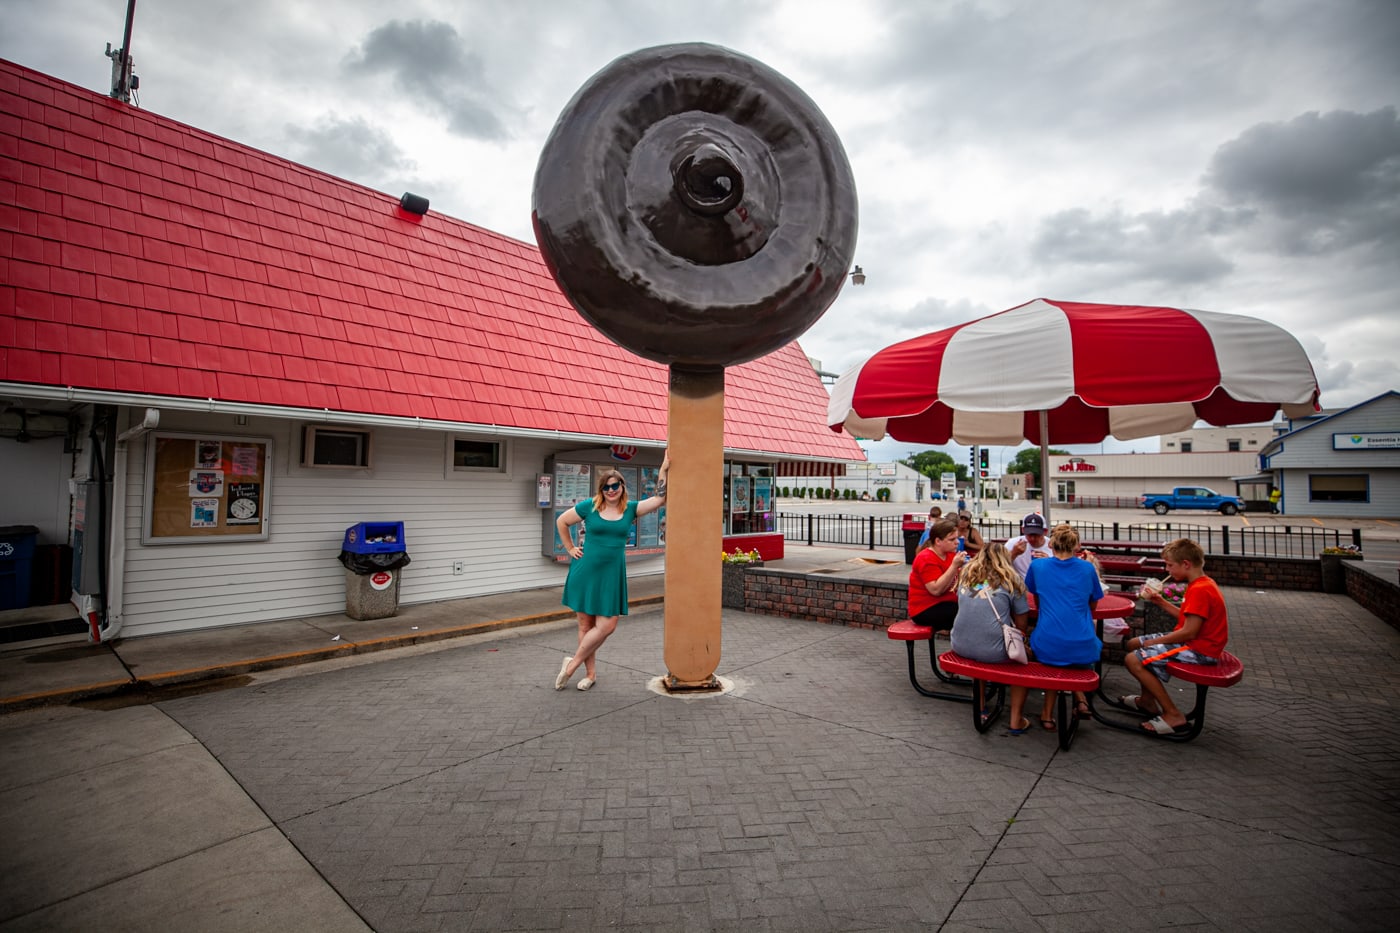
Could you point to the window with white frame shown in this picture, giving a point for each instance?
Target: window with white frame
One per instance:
(467, 455)
(336, 447)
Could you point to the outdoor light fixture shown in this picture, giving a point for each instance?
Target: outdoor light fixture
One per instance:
(414, 203)
(857, 276)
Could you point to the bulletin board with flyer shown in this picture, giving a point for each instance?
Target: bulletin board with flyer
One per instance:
(205, 487)
(571, 478)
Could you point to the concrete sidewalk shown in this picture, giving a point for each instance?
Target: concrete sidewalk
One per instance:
(60, 670)
(447, 786)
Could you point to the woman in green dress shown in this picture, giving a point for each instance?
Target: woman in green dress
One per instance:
(596, 587)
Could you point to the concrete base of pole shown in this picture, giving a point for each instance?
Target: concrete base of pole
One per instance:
(672, 685)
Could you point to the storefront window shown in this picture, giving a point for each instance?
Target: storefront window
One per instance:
(749, 498)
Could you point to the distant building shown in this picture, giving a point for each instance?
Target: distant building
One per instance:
(1124, 477)
(1344, 463)
(1249, 438)
(1018, 486)
(904, 483)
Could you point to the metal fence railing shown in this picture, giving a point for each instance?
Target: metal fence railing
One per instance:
(871, 532)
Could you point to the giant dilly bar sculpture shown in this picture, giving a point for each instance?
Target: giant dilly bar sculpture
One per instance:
(696, 207)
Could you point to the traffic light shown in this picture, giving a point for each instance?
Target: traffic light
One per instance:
(972, 457)
(984, 474)
(985, 463)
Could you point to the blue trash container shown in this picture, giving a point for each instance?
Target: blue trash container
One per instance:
(16, 564)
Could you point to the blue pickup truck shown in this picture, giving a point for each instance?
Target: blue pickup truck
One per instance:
(1190, 497)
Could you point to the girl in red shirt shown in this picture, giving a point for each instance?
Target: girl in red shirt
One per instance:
(933, 580)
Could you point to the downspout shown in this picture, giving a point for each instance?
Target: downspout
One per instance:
(95, 608)
(116, 548)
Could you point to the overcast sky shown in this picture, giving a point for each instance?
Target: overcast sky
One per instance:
(1238, 156)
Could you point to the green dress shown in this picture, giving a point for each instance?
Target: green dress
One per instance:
(597, 581)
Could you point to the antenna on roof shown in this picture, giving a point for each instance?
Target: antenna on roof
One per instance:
(123, 81)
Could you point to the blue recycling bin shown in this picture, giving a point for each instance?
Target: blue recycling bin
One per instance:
(374, 538)
(16, 564)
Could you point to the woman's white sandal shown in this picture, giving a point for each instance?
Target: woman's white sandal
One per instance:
(562, 680)
(586, 683)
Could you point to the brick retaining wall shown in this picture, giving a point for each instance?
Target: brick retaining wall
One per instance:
(1266, 573)
(840, 601)
(1374, 587)
(878, 604)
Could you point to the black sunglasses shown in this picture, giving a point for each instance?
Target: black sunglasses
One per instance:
(610, 487)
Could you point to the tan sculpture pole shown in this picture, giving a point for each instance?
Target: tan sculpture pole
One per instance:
(694, 528)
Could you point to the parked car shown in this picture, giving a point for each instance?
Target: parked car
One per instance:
(1190, 497)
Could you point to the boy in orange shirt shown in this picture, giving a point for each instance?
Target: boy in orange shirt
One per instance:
(1202, 629)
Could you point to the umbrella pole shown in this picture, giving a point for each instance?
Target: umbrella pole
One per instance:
(1045, 466)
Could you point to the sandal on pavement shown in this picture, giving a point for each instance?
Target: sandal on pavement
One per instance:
(1048, 725)
(1132, 701)
(1160, 726)
(586, 683)
(1011, 730)
(1082, 712)
(562, 680)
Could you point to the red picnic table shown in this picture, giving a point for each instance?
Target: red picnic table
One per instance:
(1112, 606)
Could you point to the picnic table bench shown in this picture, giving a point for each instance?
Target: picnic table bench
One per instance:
(1228, 672)
(909, 632)
(1034, 675)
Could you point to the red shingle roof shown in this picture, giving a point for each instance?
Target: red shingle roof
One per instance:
(140, 255)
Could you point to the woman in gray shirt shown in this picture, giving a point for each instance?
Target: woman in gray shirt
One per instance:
(991, 593)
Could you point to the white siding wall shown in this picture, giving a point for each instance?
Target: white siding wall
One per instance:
(489, 521)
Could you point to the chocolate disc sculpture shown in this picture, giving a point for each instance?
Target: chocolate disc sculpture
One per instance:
(696, 207)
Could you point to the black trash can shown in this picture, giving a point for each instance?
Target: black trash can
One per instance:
(373, 554)
(913, 530)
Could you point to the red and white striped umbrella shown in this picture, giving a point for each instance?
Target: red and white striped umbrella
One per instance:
(1087, 371)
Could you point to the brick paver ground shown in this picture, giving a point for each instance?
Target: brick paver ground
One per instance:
(458, 790)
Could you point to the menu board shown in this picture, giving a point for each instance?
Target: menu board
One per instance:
(575, 480)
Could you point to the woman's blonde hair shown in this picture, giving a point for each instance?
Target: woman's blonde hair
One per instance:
(603, 478)
(1064, 539)
(993, 567)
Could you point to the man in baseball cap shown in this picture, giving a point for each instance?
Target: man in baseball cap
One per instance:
(1030, 545)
